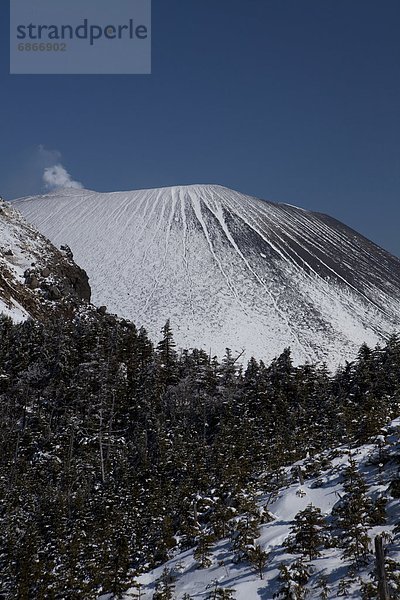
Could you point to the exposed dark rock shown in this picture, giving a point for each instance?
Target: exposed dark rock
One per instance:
(67, 251)
(33, 282)
(74, 280)
(54, 293)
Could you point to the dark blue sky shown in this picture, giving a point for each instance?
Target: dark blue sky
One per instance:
(290, 100)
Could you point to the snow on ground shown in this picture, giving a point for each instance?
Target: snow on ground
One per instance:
(227, 269)
(13, 310)
(323, 491)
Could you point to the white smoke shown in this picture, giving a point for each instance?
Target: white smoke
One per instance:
(57, 177)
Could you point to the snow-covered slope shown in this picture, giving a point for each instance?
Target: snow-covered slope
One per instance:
(36, 279)
(229, 270)
(323, 488)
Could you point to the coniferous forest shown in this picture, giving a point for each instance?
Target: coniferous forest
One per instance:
(111, 448)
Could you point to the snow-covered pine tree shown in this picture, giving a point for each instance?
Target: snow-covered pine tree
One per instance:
(308, 534)
(258, 558)
(294, 579)
(203, 551)
(352, 516)
(220, 593)
(323, 588)
(165, 586)
(244, 536)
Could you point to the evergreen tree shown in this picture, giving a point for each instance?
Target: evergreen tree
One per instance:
(377, 512)
(394, 486)
(137, 592)
(244, 535)
(258, 558)
(294, 579)
(167, 358)
(112, 452)
(308, 533)
(352, 516)
(219, 593)
(343, 587)
(203, 551)
(323, 587)
(165, 586)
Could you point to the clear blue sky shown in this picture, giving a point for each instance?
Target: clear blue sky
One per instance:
(290, 100)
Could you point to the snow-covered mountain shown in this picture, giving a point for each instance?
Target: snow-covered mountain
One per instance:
(229, 270)
(36, 279)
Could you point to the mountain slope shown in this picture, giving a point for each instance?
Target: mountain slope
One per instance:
(228, 269)
(323, 488)
(36, 279)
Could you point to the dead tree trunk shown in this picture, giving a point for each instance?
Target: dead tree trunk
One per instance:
(383, 588)
(300, 475)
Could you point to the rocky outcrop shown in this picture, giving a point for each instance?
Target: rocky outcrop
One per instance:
(36, 279)
(73, 277)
